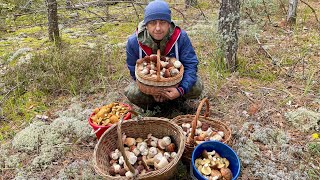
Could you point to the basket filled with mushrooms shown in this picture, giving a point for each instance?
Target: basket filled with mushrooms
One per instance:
(156, 72)
(198, 129)
(215, 160)
(141, 148)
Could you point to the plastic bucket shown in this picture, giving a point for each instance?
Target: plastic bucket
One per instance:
(99, 130)
(223, 150)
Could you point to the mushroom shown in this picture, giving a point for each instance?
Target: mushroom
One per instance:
(142, 145)
(205, 161)
(221, 133)
(158, 157)
(199, 124)
(114, 155)
(122, 172)
(152, 152)
(112, 171)
(163, 162)
(215, 174)
(121, 160)
(129, 174)
(170, 147)
(166, 140)
(140, 168)
(132, 158)
(139, 140)
(216, 137)
(197, 162)
(167, 155)
(226, 162)
(177, 64)
(130, 141)
(205, 126)
(206, 170)
(226, 173)
(161, 144)
(173, 154)
(116, 167)
(186, 125)
(174, 72)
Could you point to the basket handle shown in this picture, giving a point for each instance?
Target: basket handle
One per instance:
(120, 142)
(158, 64)
(194, 122)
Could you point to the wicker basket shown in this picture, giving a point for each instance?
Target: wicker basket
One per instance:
(216, 124)
(112, 139)
(154, 85)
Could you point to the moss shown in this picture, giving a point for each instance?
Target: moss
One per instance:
(20, 109)
(117, 32)
(29, 31)
(256, 70)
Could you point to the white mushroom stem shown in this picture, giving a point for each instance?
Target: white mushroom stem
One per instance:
(199, 124)
(121, 160)
(158, 157)
(167, 155)
(221, 133)
(163, 162)
(173, 154)
(166, 140)
(117, 168)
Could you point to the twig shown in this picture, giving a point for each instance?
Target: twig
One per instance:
(135, 10)
(314, 12)
(268, 54)
(265, 10)
(184, 18)
(10, 91)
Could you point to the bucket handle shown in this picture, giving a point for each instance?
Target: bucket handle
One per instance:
(95, 132)
(120, 142)
(194, 122)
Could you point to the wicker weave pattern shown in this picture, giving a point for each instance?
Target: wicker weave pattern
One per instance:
(214, 123)
(153, 85)
(159, 127)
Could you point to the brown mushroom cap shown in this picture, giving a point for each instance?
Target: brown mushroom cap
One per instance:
(226, 173)
(215, 173)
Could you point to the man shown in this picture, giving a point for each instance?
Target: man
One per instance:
(157, 31)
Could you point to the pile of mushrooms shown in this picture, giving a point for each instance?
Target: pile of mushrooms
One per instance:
(203, 132)
(212, 166)
(169, 66)
(108, 114)
(144, 155)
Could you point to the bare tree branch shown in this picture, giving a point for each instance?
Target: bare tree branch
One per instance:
(314, 12)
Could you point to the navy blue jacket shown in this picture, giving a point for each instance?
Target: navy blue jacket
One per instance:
(187, 56)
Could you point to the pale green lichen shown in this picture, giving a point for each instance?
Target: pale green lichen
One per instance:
(303, 119)
(14, 161)
(28, 139)
(77, 170)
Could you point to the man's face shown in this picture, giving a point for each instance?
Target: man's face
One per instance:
(158, 29)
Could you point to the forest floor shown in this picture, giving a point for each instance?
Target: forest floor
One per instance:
(272, 104)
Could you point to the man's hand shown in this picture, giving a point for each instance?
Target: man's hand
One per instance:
(160, 98)
(170, 93)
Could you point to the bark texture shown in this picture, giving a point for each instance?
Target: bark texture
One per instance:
(229, 19)
(292, 12)
(53, 28)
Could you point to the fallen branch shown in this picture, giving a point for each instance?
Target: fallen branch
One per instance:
(314, 12)
(268, 54)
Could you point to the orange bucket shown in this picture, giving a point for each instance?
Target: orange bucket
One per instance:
(99, 130)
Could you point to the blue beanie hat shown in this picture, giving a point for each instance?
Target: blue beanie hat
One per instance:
(157, 10)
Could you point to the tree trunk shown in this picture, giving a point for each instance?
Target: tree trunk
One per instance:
(229, 19)
(292, 12)
(53, 28)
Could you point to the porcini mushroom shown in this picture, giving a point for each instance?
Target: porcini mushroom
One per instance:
(163, 162)
(226, 173)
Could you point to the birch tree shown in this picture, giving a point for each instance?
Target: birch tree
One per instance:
(228, 27)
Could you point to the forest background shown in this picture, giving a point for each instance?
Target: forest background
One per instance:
(49, 88)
